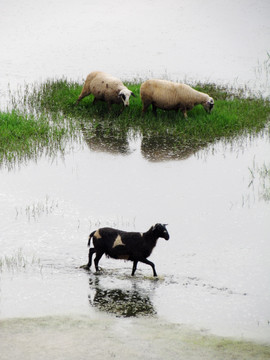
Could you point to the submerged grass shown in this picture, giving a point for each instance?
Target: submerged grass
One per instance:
(17, 261)
(167, 136)
(25, 135)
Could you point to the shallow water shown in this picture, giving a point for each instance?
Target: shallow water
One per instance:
(214, 271)
(176, 40)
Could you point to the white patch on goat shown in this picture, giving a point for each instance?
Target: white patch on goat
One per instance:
(123, 257)
(118, 241)
(97, 235)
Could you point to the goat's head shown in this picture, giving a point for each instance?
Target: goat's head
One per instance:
(124, 94)
(208, 104)
(161, 231)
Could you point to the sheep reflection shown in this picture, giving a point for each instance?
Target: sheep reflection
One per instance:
(157, 147)
(105, 138)
(120, 302)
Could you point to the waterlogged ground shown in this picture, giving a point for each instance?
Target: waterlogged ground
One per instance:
(213, 272)
(78, 337)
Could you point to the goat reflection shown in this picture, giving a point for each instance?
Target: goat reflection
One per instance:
(122, 303)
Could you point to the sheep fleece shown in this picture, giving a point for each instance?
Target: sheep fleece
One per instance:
(103, 86)
(168, 95)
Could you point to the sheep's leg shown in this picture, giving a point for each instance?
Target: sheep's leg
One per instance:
(109, 105)
(122, 108)
(135, 262)
(145, 261)
(145, 107)
(154, 109)
(97, 258)
(83, 95)
(184, 111)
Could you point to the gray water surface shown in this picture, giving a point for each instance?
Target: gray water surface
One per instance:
(213, 287)
(214, 269)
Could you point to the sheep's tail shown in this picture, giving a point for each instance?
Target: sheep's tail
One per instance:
(90, 236)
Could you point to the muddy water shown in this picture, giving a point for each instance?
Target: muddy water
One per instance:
(214, 271)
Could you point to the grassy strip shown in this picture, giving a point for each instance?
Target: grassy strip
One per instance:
(27, 136)
(233, 115)
(168, 135)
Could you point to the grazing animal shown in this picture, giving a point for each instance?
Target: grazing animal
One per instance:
(106, 88)
(168, 95)
(118, 244)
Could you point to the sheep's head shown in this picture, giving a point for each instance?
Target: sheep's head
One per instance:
(124, 94)
(161, 231)
(208, 104)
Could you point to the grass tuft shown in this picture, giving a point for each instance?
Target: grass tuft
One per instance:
(46, 117)
(25, 136)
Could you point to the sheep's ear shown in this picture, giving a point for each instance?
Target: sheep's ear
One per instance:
(165, 225)
(133, 94)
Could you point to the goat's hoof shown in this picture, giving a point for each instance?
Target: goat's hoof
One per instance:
(85, 267)
(98, 271)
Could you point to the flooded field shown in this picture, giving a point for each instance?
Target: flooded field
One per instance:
(211, 298)
(213, 272)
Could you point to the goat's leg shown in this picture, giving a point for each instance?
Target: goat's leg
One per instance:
(135, 262)
(90, 254)
(97, 258)
(145, 261)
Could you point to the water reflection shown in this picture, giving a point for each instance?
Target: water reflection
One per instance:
(155, 147)
(120, 302)
(106, 138)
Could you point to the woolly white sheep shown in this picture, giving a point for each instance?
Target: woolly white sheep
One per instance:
(168, 95)
(106, 88)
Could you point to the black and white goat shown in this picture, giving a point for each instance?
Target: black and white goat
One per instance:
(118, 244)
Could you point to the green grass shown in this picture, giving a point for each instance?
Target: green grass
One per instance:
(25, 136)
(232, 115)
(50, 104)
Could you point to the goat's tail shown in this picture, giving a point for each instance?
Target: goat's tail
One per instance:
(90, 236)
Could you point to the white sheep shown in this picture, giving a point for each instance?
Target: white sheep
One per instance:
(168, 95)
(106, 88)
